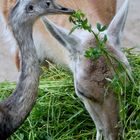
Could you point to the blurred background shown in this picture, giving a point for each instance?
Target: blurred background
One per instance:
(8, 69)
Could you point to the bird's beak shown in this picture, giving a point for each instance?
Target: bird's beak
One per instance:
(57, 8)
(63, 10)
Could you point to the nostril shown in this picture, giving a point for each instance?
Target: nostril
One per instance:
(64, 9)
(48, 3)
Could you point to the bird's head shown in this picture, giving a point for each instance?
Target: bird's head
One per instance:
(27, 11)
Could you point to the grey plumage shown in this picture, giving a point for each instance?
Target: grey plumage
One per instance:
(15, 109)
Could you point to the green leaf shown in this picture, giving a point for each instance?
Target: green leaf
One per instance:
(105, 39)
(93, 53)
(103, 28)
(73, 29)
(98, 26)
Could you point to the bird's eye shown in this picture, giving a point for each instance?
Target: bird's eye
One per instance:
(48, 3)
(30, 8)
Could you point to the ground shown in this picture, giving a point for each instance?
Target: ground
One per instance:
(131, 38)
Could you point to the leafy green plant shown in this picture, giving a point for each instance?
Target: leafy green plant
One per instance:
(81, 22)
(127, 91)
(59, 114)
(94, 53)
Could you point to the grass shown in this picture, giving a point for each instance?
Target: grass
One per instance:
(60, 115)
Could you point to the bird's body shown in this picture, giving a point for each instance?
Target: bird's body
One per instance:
(15, 109)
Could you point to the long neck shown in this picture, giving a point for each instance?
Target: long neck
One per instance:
(15, 109)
